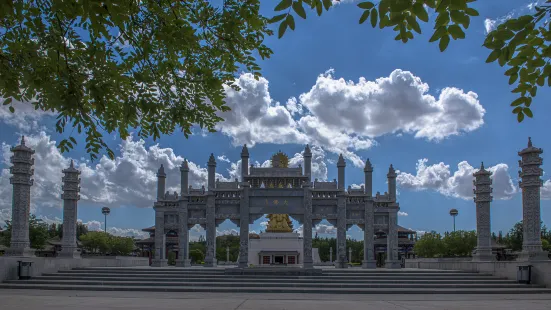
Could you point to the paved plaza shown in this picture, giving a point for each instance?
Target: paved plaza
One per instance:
(46, 300)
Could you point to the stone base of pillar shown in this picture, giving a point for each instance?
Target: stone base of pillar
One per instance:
(211, 263)
(308, 265)
(244, 264)
(159, 263)
(525, 256)
(341, 264)
(20, 252)
(484, 255)
(183, 263)
(69, 253)
(393, 264)
(369, 264)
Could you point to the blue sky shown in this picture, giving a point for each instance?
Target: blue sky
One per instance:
(433, 115)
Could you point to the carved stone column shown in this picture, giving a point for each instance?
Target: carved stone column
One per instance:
(342, 261)
(183, 234)
(392, 260)
(160, 259)
(482, 200)
(307, 261)
(369, 230)
(210, 257)
(243, 260)
(531, 218)
(22, 171)
(70, 198)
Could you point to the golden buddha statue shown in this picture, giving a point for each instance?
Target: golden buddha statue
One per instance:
(279, 223)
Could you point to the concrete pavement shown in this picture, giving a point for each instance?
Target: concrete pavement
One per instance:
(94, 300)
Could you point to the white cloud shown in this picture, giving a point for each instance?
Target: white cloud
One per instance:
(26, 119)
(438, 177)
(223, 158)
(400, 213)
(325, 229)
(232, 232)
(366, 109)
(546, 190)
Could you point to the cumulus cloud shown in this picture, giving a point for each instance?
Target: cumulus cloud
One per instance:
(490, 24)
(400, 213)
(438, 177)
(546, 190)
(25, 119)
(223, 158)
(399, 103)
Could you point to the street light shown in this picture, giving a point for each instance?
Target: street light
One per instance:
(454, 213)
(105, 211)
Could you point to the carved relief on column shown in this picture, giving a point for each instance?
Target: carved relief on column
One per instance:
(183, 235)
(531, 217)
(369, 231)
(482, 201)
(392, 241)
(243, 259)
(70, 198)
(307, 261)
(22, 172)
(160, 260)
(342, 261)
(210, 257)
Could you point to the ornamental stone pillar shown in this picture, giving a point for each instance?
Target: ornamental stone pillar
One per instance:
(369, 230)
(22, 171)
(531, 218)
(183, 234)
(210, 257)
(341, 261)
(70, 198)
(307, 261)
(308, 162)
(160, 259)
(184, 178)
(392, 261)
(482, 200)
(243, 260)
(244, 163)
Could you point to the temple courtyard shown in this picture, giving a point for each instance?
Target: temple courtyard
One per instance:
(84, 300)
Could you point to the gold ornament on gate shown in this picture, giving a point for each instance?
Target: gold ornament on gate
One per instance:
(279, 222)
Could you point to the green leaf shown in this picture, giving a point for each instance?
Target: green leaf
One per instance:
(12, 110)
(541, 80)
(520, 117)
(471, 12)
(7, 101)
(299, 9)
(327, 4)
(518, 101)
(412, 21)
(284, 4)
(517, 110)
(282, 29)
(534, 91)
(456, 32)
(444, 41)
(513, 78)
(528, 112)
(365, 16)
(368, 5)
(374, 17)
(438, 33)
(277, 18)
(420, 12)
(399, 6)
(319, 7)
(494, 55)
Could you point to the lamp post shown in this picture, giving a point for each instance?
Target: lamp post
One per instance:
(454, 213)
(105, 211)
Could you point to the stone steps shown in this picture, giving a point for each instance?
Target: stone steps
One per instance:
(298, 290)
(289, 280)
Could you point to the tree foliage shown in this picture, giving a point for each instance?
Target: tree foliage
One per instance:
(38, 233)
(100, 242)
(429, 245)
(115, 65)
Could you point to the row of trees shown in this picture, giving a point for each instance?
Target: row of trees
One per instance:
(92, 242)
(463, 243)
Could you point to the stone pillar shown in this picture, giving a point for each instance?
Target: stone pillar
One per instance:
(341, 261)
(184, 178)
(183, 234)
(210, 257)
(70, 198)
(22, 171)
(243, 260)
(392, 260)
(350, 254)
(330, 254)
(531, 218)
(307, 261)
(391, 177)
(308, 162)
(368, 178)
(341, 164)
(160, 259)
(227, 254)
(161, 179)
(211, 167)
(369, 230)
(244, 162)
(482, 201)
